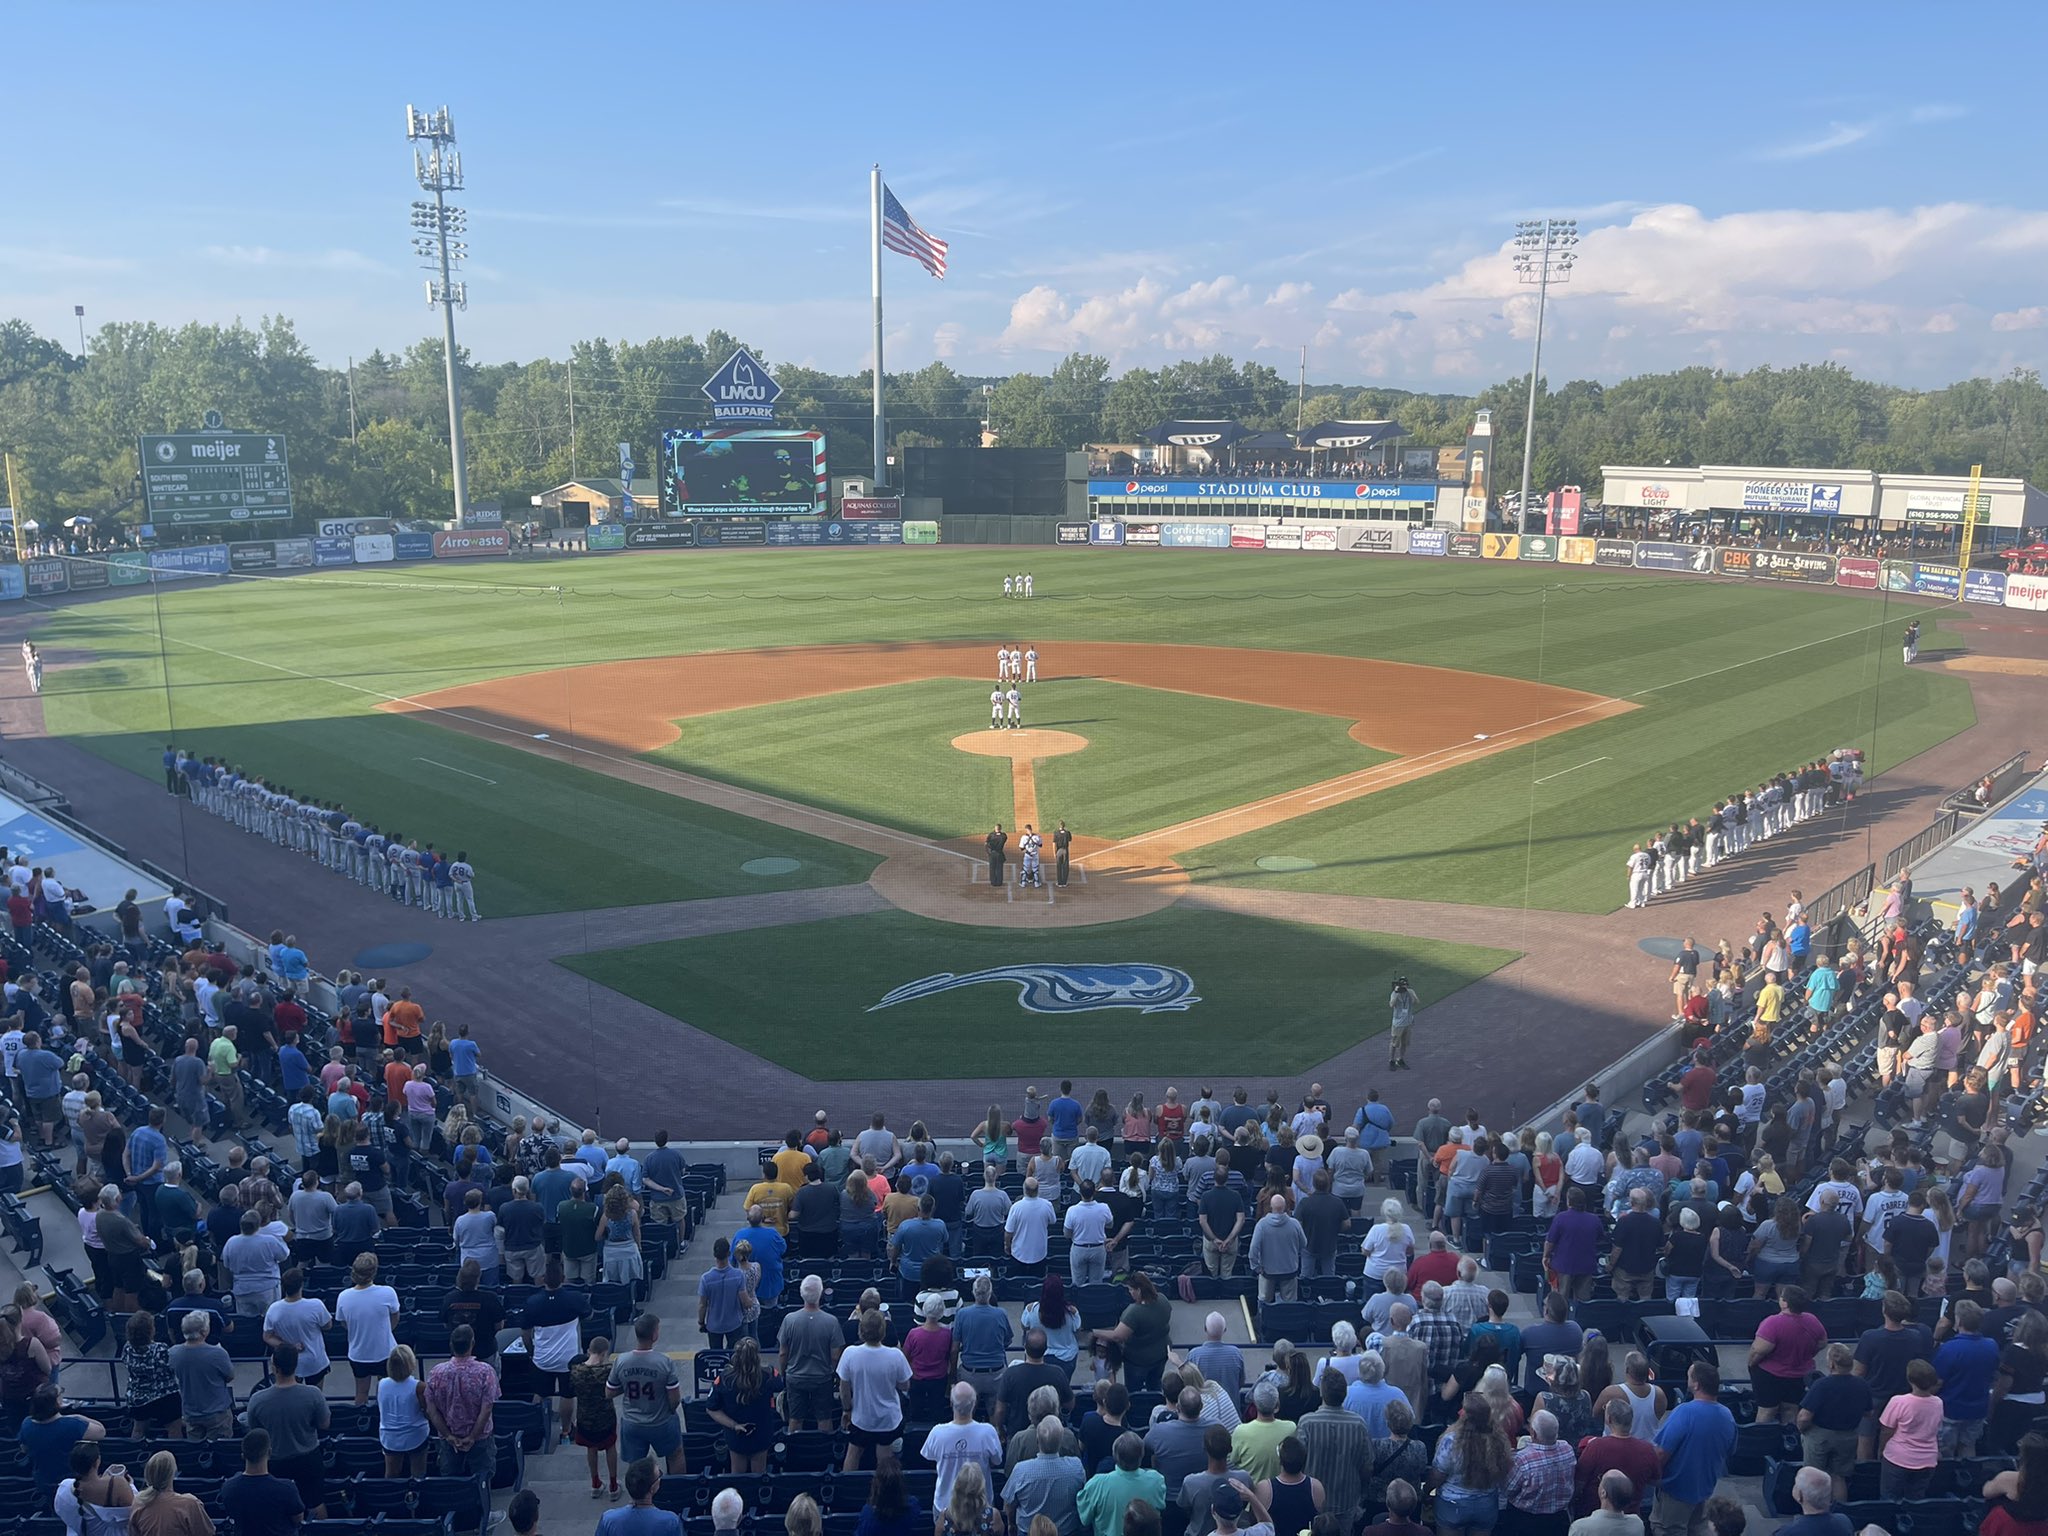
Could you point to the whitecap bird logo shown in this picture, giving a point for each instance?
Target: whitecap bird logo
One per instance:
(1068, 988)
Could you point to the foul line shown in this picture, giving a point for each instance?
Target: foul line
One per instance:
(831, 817)
(1344, 784)
(1574, 769)
(435, 763)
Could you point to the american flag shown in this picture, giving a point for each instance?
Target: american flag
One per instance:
(900, 233)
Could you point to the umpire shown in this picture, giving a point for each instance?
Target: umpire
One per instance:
(995, 842)
(1061, 840)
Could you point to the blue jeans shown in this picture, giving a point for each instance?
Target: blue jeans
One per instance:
(1676, 1286)
(1467, 1511)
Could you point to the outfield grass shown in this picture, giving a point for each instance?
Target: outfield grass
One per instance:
(1735, 681)
(1274, 997)
(886, 754)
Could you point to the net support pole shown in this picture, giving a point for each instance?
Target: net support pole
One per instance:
(875, 267)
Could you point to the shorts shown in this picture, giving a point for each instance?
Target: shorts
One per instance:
(309, 1472)
(156, 1415)
(593, 1440)
(1831, 1450)
(877, 1438)
(370, 1370)
(1774, 1391)
(378, 1200)
(810, 1402)
(554, 1384)
(1459, 1203)
(47, 1111)
(638, 1440)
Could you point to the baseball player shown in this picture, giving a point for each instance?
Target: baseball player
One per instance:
(394, 867)
(995, 709)
(1030, 844)
(1062, 840)
(1020, 583)
(1695, 847)
(373, 855)
(1912, 642)
(1027, 593)
(1014, 700)
(1002, 664)
(464, 880)
(1016, 665)
(34, 662)
(411, 864)
(1639, 865)
(1006, 587)
(1031, 665)
(444, 886)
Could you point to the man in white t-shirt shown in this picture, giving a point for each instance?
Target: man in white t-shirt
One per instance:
(367, 1310)
(1090, 1160)
(1026, 1229)
(1087, 1227)
(872, 1376)
(949, 1447)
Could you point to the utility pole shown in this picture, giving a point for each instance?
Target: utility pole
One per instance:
(572, 419)
(351, 409)
(1543, 255)
(1301, 390)
(438, 231)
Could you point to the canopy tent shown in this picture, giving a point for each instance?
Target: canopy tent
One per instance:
(1266, 442)
(2031, 552)
(1351, 434)
(1212, 435)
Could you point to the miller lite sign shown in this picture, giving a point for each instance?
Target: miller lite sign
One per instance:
(742, 390)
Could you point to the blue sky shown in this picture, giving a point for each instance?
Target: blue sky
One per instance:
(1755, 184)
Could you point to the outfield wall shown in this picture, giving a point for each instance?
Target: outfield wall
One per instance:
(1795, 567)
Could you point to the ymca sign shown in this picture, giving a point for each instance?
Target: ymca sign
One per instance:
(742, 390)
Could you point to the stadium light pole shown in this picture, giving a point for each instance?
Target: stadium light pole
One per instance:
(1543, 255)
(438, 231)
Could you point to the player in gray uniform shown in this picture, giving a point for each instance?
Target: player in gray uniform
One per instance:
(415, 893)
(1029, 845)
(394, 867)
(1640, 865)
(373, 856)
(347, 850)
(464, 889)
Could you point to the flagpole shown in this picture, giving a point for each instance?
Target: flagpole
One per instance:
(875, 229)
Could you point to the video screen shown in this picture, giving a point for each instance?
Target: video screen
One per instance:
(771, 473)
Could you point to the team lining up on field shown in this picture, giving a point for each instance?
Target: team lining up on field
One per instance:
(1670, 858)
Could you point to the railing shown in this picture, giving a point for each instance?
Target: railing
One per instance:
(1920, 844)
(2005, 778)
(1841, 898)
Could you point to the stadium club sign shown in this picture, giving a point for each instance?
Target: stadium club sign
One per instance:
(1801, 497)
(742, 390)
(1269, 490)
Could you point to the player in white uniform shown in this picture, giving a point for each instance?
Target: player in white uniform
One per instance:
(1002, 664)
(1031, 665)
(1006, 586)
(1016, 665)
(995, 709)
(1030, 844)
(1639, 866)
(1014, 700)
(1027, 583)
(32, 663)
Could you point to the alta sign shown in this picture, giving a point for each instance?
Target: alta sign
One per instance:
(742, 390)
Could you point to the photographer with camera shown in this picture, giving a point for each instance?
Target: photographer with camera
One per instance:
(1405, 1005)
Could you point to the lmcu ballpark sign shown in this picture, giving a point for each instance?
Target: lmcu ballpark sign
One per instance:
(742, 390)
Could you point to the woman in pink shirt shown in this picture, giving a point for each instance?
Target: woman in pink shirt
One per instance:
(1782, 1357)
(1909, 1432)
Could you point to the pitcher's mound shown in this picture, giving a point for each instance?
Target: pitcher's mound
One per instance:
(1025, 744)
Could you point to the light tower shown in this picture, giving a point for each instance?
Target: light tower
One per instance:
(1543, 255)
(438, 231)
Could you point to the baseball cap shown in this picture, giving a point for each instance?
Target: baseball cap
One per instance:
(1227, 1500)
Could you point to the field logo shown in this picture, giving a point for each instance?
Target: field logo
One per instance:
(1068, 988)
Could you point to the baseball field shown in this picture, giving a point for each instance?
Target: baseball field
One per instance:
(690, 727)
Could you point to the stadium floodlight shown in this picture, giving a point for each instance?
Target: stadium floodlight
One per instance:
(1544, 255)
(439, 227)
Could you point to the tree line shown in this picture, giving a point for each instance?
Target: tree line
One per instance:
(369, 438)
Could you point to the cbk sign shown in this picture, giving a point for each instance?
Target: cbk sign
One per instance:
(742, 390)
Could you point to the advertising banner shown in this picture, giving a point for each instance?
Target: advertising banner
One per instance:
(661, 536)
(2029, 592)
(1855, 571)
(863, 533)
(1800, 497)
(328, 552)
(890, 507)
(603, 538)
(1427, 541)
(471, 542)
(1247, 535)
(1141, 533)
(1696, 559)
(1573, 550)
(294, 554)
(1284, 536)
(124, 568)
(195, 560)
(42, 577)
(1071, 533)
(1776, 565)
(1984, 586)
(1537, 546)
(1369, 540)
(252, 555)
(349, 527)
(484, 517)
(1194, 535)
(920, 531)
(1500, 546)
(1106, 533)
(788, 533)
(1571, 502)
(731, 535)
(419, 546)
(374, 548)
(1614, 552)
(1377, 491)
(1464, 546)
(13, 584)
(1923, 580)
(1319, 536)
(89, 575)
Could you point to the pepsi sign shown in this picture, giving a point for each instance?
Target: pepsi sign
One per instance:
(742, 390)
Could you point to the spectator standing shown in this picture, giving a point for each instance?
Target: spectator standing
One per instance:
(646, 1379)
(460, 1392)
(1694, 1443)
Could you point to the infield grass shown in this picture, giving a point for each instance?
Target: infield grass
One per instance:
(1275, 997)
(886, 754)
(1735, 681)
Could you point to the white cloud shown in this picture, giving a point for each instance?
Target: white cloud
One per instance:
(48, 261)
(1667, 287)
(337, 260)
(1838, 136)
